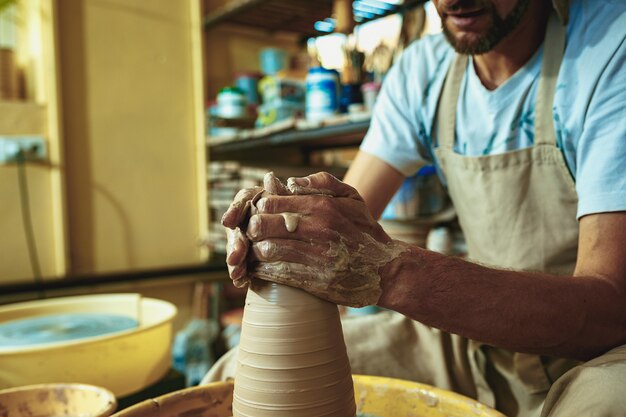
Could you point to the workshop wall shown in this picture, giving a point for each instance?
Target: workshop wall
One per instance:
(126, 184)
(130, 129)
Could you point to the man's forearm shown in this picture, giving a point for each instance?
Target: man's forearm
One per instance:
(577, 317)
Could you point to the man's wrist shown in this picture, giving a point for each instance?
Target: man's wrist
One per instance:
(398, 278)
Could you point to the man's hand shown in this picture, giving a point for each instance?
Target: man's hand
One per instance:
(236, 218)
(335, 250)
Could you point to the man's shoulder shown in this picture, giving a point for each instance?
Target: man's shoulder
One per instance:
(592, 20)
(596, 9)
(595, 37)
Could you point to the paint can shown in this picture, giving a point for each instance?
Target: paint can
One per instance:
(322, 93)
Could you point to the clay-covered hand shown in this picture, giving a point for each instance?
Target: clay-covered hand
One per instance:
(236, 219)
(321, 238)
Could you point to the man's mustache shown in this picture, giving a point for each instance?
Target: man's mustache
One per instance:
(447, 6)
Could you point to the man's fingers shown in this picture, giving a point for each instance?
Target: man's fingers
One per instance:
(237, 249)
(239, 208)
(240, 283)
(275, 250)
(314, 205)
(284, 204)
(322, 183)
(272, 185)
(273, 226)
(238, 272)
(237, 246)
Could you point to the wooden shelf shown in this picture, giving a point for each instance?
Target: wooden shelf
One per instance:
(296, 16)
(333, 136)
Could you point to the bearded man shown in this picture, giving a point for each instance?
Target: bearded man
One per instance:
(520, 105)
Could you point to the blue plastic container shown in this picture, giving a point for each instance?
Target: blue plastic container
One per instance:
(273, 60)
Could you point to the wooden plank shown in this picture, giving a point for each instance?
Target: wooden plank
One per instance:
(272, 14)
(230, 9)
(296, 16)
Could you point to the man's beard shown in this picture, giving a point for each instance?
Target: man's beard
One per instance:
(499, 29)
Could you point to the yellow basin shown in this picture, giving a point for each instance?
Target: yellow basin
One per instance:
(123, 362)
(375, 397)
(388, 397)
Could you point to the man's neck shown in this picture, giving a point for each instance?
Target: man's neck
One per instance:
(511, 53)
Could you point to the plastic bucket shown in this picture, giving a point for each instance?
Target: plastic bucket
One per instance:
(375, 397)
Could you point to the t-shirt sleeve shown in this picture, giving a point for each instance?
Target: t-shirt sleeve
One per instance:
(601, 151)
(393, 135)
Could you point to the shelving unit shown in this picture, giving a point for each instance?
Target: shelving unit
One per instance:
(297, 145)
(296, 16)
(307, 140)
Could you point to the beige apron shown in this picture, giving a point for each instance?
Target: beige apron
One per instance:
(517, 211)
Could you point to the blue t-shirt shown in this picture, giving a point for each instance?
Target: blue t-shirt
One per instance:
(589, 106)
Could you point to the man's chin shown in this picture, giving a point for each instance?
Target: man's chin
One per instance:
(468, 43)
(475, 36)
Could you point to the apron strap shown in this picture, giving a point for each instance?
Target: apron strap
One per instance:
(544, 124)
(553, 49)
(446, 112)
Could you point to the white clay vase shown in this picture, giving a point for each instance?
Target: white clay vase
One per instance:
(292, 357)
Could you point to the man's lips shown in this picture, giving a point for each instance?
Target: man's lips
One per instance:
(466, 13)
(465, 18)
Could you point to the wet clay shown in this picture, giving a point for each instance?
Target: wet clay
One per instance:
(291, 221)
(351, 279)
(292, 357)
